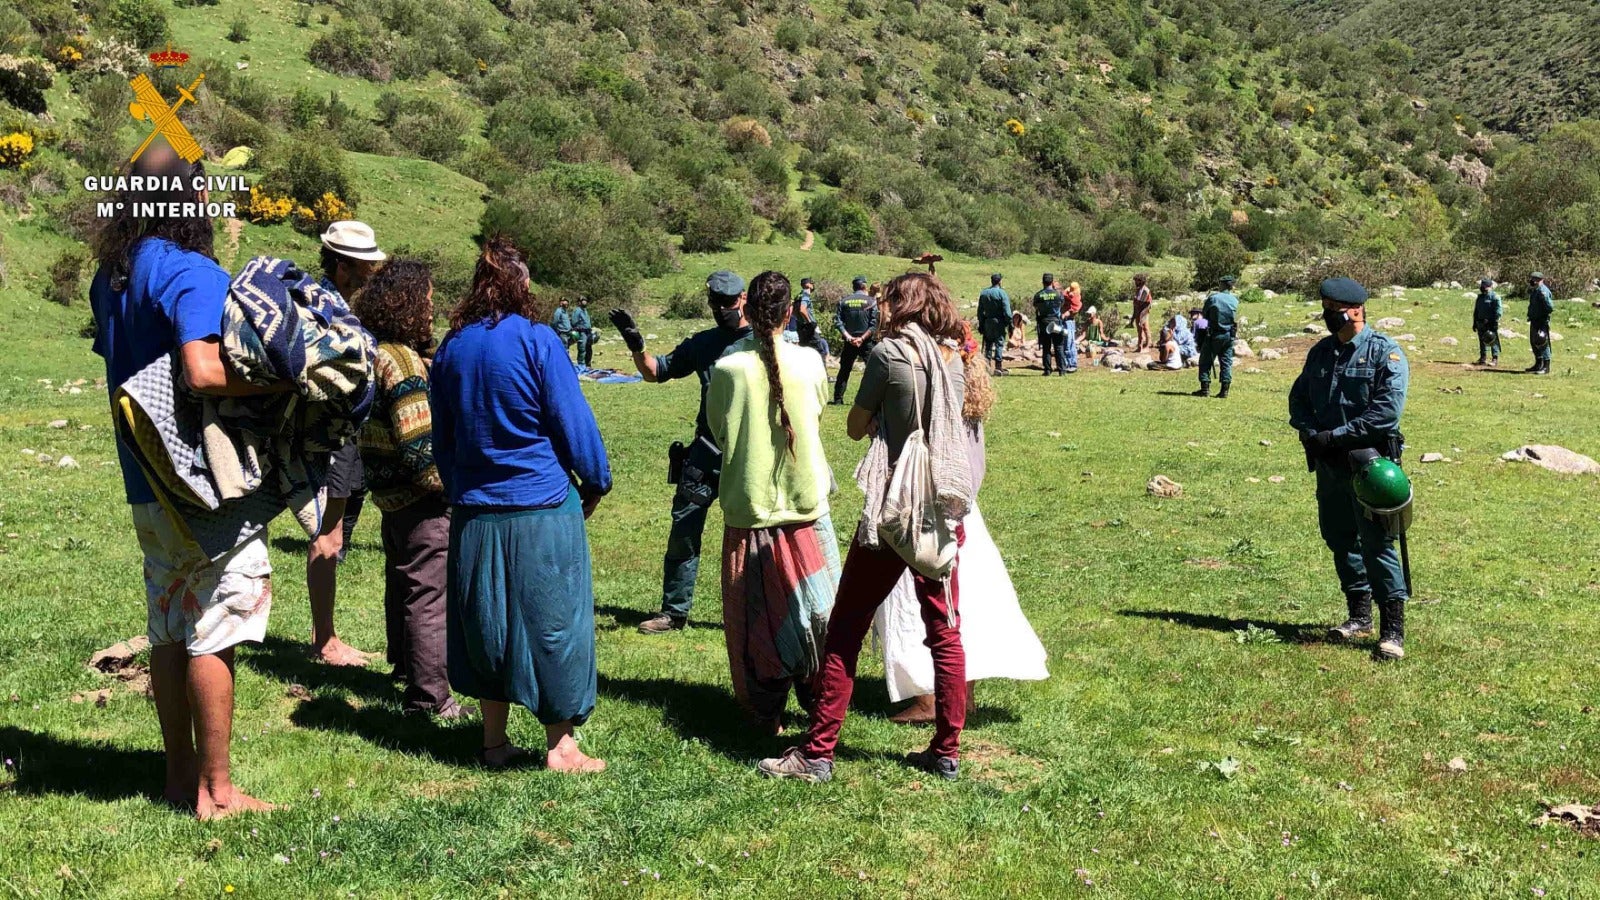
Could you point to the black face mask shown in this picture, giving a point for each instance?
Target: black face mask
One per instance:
(1335, 319)
(727, 318)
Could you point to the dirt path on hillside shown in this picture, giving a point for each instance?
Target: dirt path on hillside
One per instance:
(811, 238)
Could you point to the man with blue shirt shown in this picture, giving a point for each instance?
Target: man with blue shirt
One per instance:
(994, 321)
(695, 469)
(1348, 399)
(562, 323)
(857, 319)
(583, 328)
(158, 292)
(1220, 311)
(1541, 306)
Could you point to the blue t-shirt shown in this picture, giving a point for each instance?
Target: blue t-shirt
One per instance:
(509, 419)
(173, 296)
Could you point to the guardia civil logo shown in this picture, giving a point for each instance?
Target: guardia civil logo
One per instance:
(150, 106)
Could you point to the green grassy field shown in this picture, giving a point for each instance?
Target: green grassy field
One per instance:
(1093, 782)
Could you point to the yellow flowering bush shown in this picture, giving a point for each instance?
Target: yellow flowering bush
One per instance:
(265, 209)
(319, 215)
(15, 149)
(1016, 127)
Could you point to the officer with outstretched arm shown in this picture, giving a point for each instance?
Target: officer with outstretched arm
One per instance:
(695, 469)
(1348, 399)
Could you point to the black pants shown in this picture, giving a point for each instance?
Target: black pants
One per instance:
(1054, 348)
(848, 354)
(416, 550)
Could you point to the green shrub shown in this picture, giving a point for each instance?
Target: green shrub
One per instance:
(23, 81)
(1215, 255)
(791, 220)
(1125, 240)
(142, 21)
(792, 34)
(719, 215)
(1253, 295)
(66, 277)
(305, 168)
(432, 130)
(846, 225)
(239, 30)
(348, 49)
(686, 305)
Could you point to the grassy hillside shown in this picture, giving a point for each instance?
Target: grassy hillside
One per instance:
(1519, 67)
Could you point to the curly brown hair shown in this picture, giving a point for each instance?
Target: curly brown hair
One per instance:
(499, 288)
(397, 304)
(921, 298)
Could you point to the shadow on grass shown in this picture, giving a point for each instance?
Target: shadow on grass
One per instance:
(46, 764)
(386, 727)
(1178, 394)
(291, 663)
(628, 617)
(701, 712)
(1289, 632)
(295, 544)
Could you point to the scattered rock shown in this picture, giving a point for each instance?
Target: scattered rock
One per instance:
(45, 458)
(1192, 444)
(1276, 479)
(27, 451)
(1313, 328)
(1556, 336)
(1389, 322)
(1252, 481)
(1508, 333)
(1270, 295)
(74, 390)
(297, 692)
(1163, 487)
(1455, 285)
(1592, 356)
(1433, 457)
(1271, 354)
(1266, 443)
(1242, 348)
(1448, 341)
(118, 656)
(59, 423)
(1556, 459)
(1254, 371)
(1407, 338)
(1581, 818)
(1457, 765)
(67, 462)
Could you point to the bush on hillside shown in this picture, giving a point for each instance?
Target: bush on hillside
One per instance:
(23, 81)
(66, 277)
(686, 305)
(846, 225)
(142, 21)
(349, 49)
(308, 168)
(1215, 255)
(718, 216)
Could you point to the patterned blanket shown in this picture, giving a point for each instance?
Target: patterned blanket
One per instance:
(223, 467)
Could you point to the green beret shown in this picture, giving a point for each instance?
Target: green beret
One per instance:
(1229, 280)
(1537, 276)
(725, 284)
(1344, 290)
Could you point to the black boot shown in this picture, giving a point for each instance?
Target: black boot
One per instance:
(1205, 391)
(1359, 624)
(1392, 636)
(1223, 394)
(1482, 361)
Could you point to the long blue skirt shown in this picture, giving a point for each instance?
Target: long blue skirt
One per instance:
(521, 611)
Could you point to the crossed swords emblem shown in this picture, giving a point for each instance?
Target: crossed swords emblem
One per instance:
(152, 107)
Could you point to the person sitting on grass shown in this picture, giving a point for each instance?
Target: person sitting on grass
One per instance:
(523, 466)
(397, 453)
(158, 291)
(780, 558)
(1177, 344)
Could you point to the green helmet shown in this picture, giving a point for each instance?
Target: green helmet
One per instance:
(1381, 485)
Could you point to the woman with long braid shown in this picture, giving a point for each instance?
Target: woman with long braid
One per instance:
(780, 558)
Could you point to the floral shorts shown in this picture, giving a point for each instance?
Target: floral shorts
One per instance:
(209, 609)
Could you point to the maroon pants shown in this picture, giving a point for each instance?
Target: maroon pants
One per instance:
(869, 576)
(416, 548)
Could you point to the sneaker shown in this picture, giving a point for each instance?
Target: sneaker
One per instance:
(946, 767)
(796, 765)
(661, 623)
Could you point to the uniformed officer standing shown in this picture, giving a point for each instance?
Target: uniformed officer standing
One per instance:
(1540, 307)
(857, 319)
(1486, 312)
(1349, 397)
(583, 327)
(695, 469)
(994, 320)
(1047, 312)
(562, 323)
(1220, 311)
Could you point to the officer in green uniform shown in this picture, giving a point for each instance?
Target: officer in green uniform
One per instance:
(1541, 306)
(1220, 310)
(994, 321)
(562, 323)
(583, 327)
(1349, 397)
(1486, 312)
(1047, 312)
(857, 320)
(697, 468)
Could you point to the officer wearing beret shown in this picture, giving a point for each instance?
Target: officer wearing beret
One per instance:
(1220, 310)
(1048, 306)
(1486, 312)
(1349, 397)
(695, 469)
(583, 327)
(1540, 307)
(562, 323)
(994, 320)
(857, 319)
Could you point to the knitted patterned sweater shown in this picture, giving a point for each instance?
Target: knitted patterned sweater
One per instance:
(397, 441)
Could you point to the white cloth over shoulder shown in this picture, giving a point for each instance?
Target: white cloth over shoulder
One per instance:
(998, 640)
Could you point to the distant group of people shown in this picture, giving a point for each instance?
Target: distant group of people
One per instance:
(1487, 310)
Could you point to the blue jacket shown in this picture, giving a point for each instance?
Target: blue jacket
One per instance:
(994, 313)
(1355, 390)
(1540, 305)
(1220, 310)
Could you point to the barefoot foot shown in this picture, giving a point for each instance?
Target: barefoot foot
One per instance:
(337, 653)
(571, 759)
(227, 802)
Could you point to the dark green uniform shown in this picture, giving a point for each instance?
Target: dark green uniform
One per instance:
(994, 322)
(1541, 306)
(1047, 311)
(562, 323)
(1486, 311)
(1220, 311)
(857, 315)
(1355, 392)
(583, 329)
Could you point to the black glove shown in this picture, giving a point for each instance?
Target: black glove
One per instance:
(1319, 442)
(630, 332)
